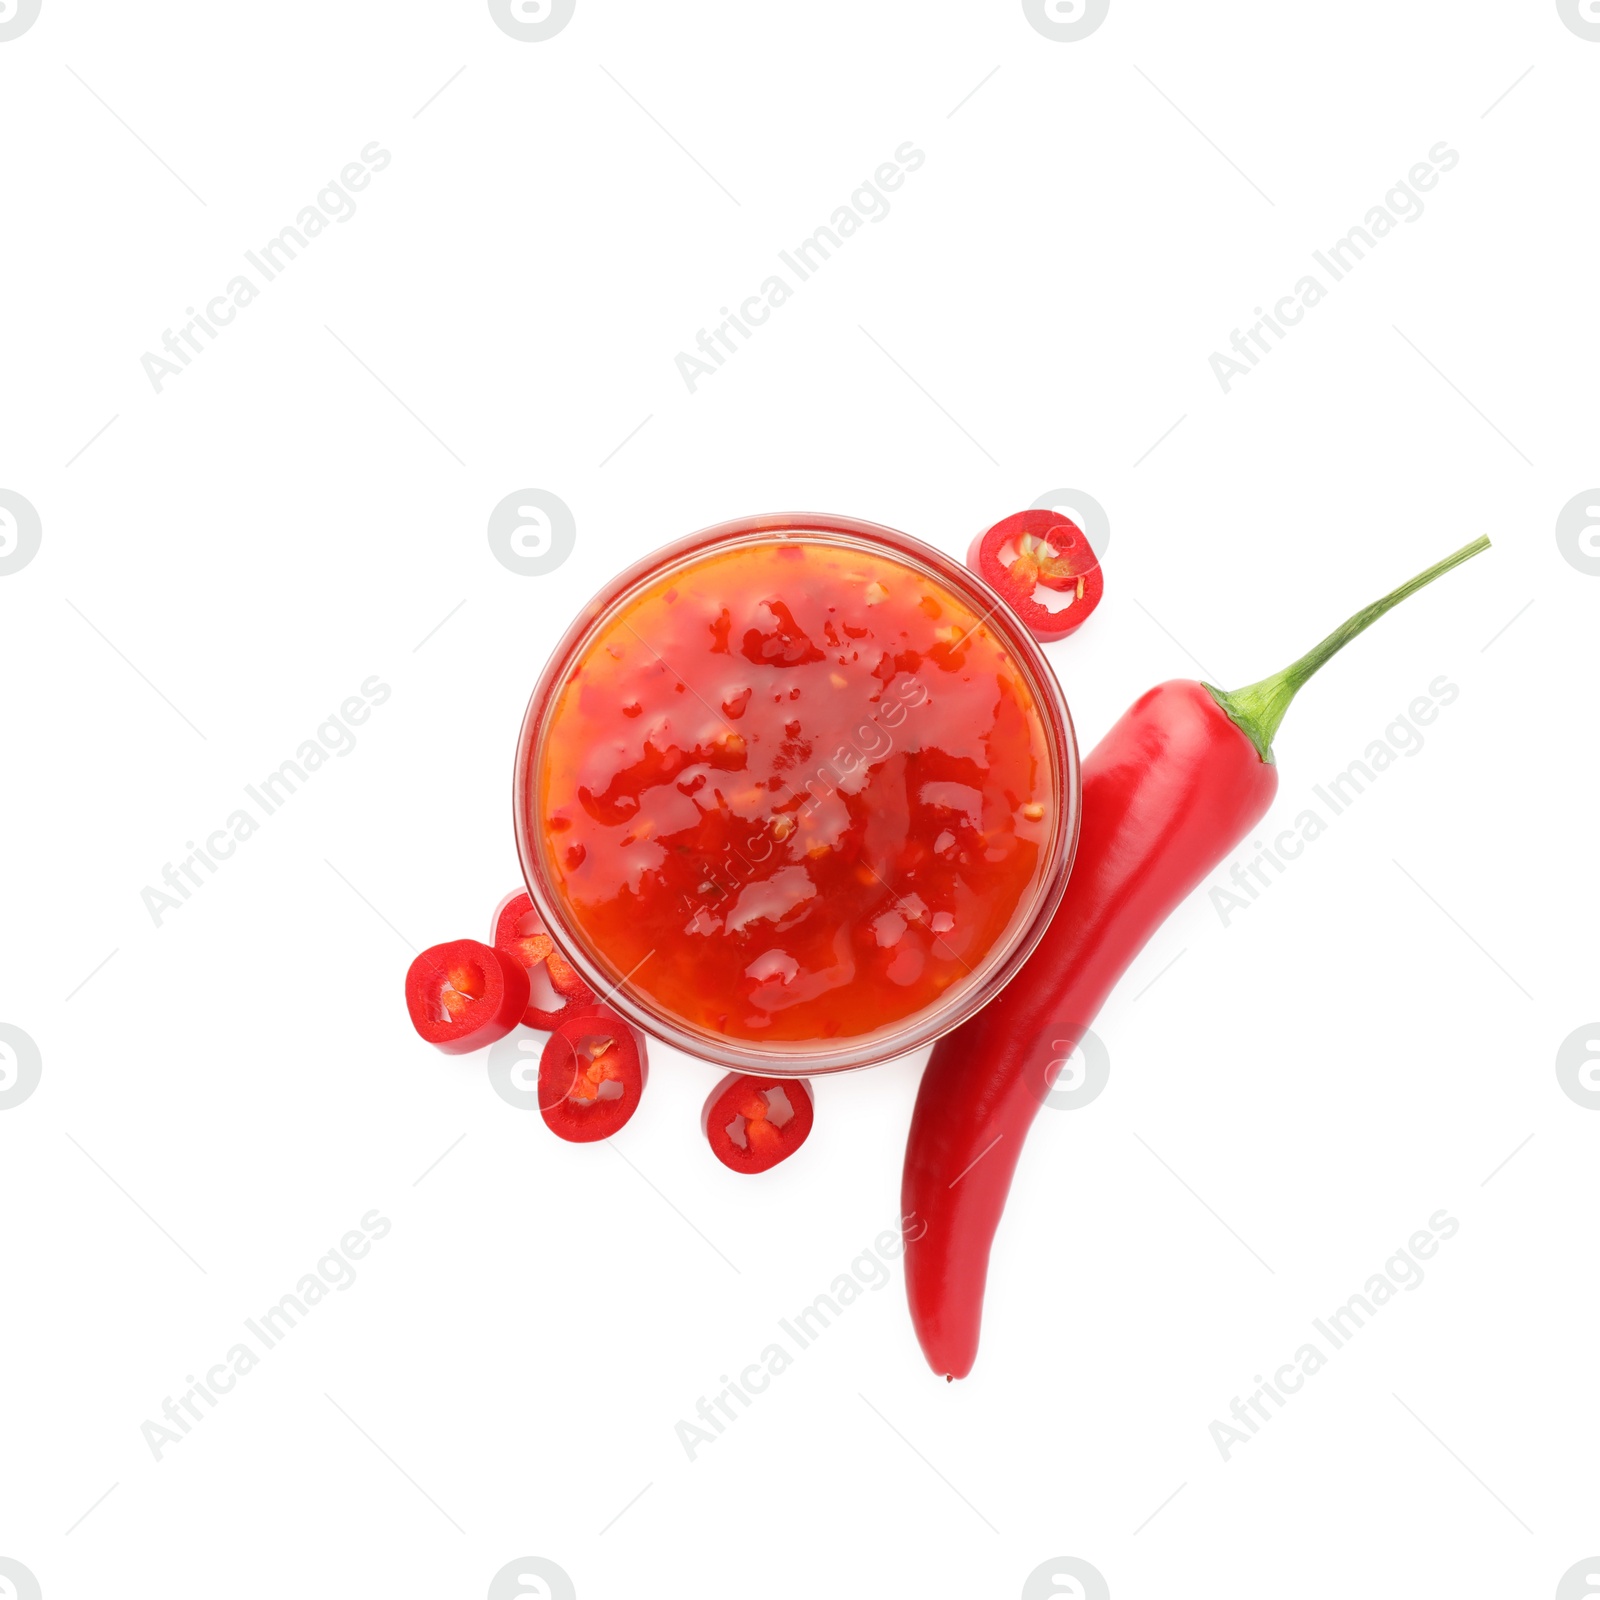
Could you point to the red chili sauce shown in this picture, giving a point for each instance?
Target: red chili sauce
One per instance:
(794, 791)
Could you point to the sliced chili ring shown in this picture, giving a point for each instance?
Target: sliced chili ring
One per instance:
(752, 1123)
(591, 1075)
(464, 995)
(1040, 549)
(519, 931)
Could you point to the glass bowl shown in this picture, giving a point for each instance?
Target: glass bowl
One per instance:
(627, 993)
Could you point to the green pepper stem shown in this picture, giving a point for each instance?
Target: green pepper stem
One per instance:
(1259, 708)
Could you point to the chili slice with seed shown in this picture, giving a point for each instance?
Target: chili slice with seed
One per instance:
(464, 995)
(519, 931)
(591, 1075)
(752, 1123)
(1036, 550)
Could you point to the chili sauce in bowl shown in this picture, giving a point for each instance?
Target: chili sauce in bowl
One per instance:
(797, 790)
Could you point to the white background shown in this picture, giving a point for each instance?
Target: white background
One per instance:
(229, 559)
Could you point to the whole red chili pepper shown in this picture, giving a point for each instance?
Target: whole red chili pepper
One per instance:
(1171, 789)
